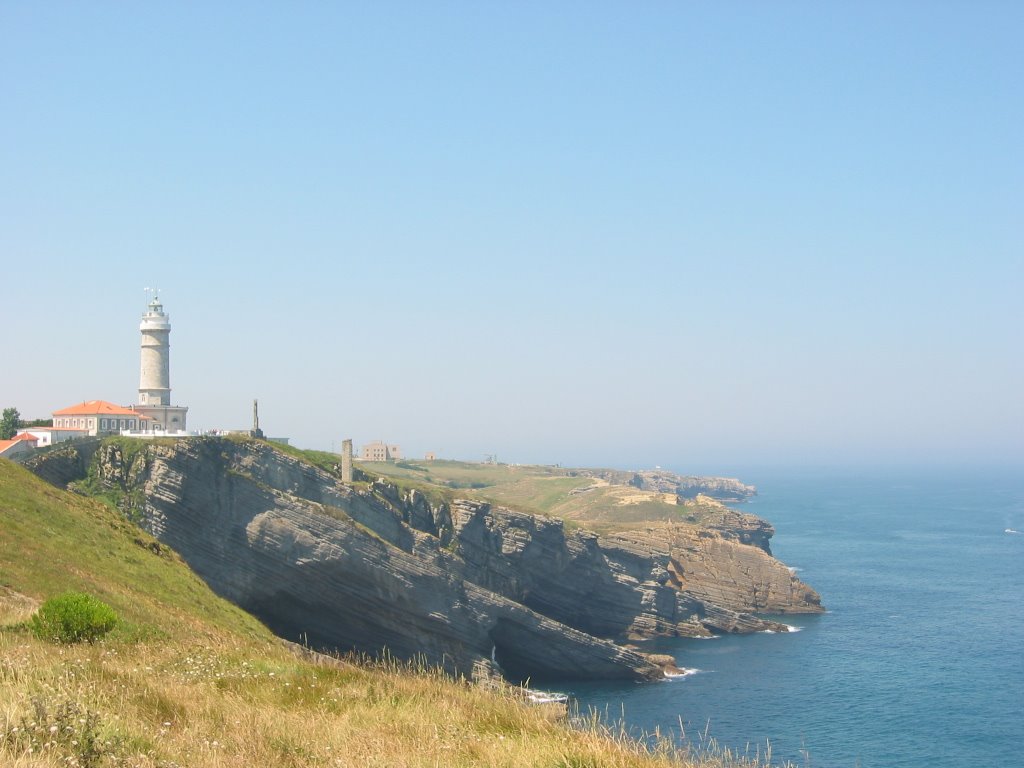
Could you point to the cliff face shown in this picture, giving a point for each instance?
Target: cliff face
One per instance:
(462, 585)
(684, 486)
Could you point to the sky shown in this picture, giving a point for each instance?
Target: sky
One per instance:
(624, 234)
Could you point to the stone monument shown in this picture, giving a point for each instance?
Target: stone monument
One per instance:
(346, 461)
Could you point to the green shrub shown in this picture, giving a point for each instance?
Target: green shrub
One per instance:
(72, 618)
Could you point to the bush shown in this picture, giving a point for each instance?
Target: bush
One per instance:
(72, 618)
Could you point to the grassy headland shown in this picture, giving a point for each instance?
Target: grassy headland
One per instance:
(577, 496)
(187, 679)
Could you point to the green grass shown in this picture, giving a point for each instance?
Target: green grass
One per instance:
(323, 459)
(52, 541)
(458, 474)
(542, 493)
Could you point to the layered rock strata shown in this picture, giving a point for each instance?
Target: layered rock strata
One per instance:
(458, 584)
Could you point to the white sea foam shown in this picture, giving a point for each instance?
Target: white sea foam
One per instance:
(793, 568)
(1011, 530)
(546, 697)
(680, 673)
(789, 628)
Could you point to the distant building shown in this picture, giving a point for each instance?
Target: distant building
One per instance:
(379, 451)
(50, 435)
(20, 444)
(430, 456)
(98, 417)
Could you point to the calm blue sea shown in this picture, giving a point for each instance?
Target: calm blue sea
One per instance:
(920, 659)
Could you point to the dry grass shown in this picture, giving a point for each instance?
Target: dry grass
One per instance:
(15, 607)
(165, 705)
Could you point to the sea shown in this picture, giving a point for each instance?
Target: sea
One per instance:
(919, 661)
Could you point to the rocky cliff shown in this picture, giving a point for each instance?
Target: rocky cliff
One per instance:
(684, 486)
(461, 584)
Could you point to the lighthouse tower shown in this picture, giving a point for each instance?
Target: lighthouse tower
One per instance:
(155, 379)
(155, 375)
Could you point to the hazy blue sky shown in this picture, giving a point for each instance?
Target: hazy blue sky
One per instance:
(691, 234)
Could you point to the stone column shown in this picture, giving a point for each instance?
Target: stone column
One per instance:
(346, 461)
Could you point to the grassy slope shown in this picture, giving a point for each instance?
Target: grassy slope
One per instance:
(190, 680)
(52, 541)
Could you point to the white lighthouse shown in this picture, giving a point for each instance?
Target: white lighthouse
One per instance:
(155, 373)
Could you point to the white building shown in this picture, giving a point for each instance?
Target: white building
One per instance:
(50, 435)
(98, 417)
(378, 451)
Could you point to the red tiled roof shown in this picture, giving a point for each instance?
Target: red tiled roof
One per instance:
(26, 436)
(95, 408)
(5, 444)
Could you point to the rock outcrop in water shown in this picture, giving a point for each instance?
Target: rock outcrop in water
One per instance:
(460, 584)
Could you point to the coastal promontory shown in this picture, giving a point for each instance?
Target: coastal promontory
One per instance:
(453, 576)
